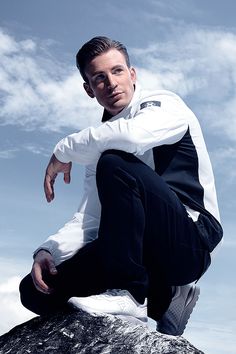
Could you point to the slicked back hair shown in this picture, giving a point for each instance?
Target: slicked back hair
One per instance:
(97, 46)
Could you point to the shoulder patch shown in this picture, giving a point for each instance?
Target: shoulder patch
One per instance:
(150, 103)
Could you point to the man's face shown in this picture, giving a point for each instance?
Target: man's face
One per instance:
(110, 80)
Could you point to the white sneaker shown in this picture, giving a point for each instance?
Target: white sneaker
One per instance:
(115, 302)
(176, 317)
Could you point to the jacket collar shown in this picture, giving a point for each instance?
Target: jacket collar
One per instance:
(107, 116)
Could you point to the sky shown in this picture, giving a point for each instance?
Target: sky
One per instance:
(186, 46)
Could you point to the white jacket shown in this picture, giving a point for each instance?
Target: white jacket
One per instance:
(164, 133)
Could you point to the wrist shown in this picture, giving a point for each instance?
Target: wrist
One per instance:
(41, 250)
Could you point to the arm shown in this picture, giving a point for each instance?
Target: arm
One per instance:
(69, 239)
(81, 229)
(149, 127)
(43, 260)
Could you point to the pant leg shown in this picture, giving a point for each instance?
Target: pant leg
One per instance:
(121, 228)
(78, 276)
(147, 241)
(36, 301)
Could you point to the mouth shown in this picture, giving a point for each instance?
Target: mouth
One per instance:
(115, 95)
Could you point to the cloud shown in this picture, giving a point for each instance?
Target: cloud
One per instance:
(10, 285)
(37, 91)
(30, 147)
(8, 154)
(224, 160)
(36, 149)
(224, 163)
(200, 65)
(12, 312)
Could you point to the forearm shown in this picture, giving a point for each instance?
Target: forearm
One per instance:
(78, 147)
(81, 229)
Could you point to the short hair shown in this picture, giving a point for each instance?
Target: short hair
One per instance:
(93, 48)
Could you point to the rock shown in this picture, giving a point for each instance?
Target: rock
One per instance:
(81, 333)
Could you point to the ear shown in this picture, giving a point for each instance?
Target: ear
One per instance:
(133, 74)
(88, 90)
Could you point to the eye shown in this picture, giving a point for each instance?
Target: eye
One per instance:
(99, 78)
(117, 71)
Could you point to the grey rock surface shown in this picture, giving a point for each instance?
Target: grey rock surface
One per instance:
(80, 333)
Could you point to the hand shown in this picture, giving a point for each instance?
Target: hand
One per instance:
(43, 264)
(54, 167)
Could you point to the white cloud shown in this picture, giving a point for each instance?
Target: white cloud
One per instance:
(224, 161)
(223, 155)
(8, 154)
(39, 92)
(30, 147)
(37, 150)
(10, 285)
(7, 44)
(12, 312)
(200, 65)
(224, 165)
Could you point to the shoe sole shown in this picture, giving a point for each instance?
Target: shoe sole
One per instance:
(192, 298)
(93, 311)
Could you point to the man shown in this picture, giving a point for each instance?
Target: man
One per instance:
(148, 219)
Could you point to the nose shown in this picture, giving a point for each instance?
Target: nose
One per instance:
(111, 83)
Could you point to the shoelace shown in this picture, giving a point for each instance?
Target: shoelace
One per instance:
(112, 292)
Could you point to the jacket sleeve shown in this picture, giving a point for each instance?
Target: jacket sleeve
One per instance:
(81, 229)
(149, 127)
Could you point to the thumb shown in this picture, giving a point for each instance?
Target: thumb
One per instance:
(52, 268)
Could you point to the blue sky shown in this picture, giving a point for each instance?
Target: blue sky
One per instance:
(187, 46)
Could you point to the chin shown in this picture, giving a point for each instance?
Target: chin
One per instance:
(118, 107)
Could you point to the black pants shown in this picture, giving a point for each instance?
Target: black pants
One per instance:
(146, 242)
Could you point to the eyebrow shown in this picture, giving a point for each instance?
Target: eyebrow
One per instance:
(113, 68)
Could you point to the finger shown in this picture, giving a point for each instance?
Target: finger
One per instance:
(48, 188)
(67, 177)
(52, 268)
(40, 285)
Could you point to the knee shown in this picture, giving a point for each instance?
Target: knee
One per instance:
(108, 161)
(22, 286)
(116, 171)
(111, 159)
(116, 155)
(25, 289)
